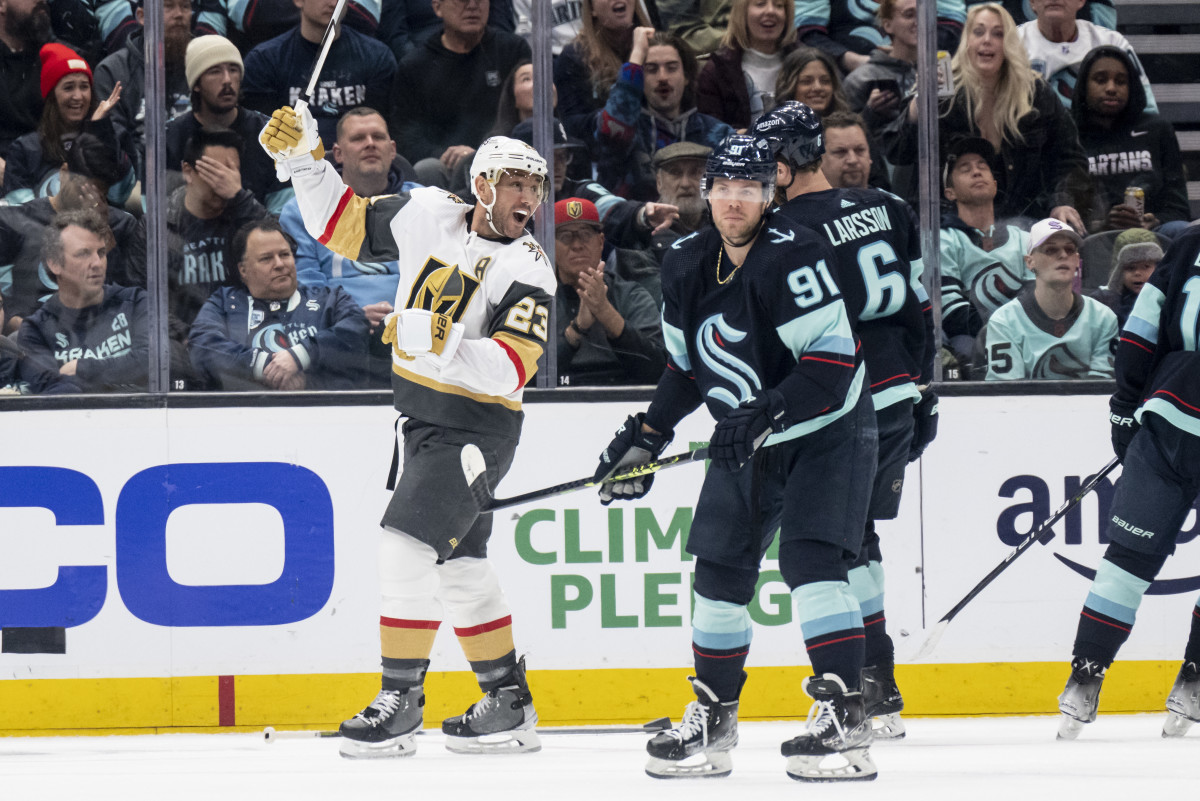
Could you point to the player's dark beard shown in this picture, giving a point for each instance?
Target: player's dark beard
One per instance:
(34, 30)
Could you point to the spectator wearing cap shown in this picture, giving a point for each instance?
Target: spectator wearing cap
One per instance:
(71, 108)
(358, 70)
(214, 77)
(24, 28)
(627, 223)
(983, 260)
(83, 182)
(609, 328)
(1135, 257)
(447, 89)
(127, 67)
(1050, 331)
(678, 169)
(365, 155)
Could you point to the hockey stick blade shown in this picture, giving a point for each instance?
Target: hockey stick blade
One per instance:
(270, 735)
(1043, 534)
(474, 471)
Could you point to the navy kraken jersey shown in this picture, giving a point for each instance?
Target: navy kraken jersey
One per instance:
(877, 263)
(1157, 363)
(777, 322)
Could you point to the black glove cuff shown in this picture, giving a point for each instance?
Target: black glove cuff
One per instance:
(655, 443)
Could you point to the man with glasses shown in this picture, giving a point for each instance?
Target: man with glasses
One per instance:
(608, 326)
(472, 311)
(1049, 330)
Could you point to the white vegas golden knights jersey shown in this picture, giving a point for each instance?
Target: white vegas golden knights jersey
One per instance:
(500, 290)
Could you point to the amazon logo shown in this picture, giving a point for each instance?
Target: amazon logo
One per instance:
(1033, 504)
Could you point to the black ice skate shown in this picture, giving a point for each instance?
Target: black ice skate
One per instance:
(1183, 704)
(502, 722)
(835, 747)
(387, 727)
(699, 747)
(883, 701)
(1080, 697)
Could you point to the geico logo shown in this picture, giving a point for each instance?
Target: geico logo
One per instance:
(143, 506)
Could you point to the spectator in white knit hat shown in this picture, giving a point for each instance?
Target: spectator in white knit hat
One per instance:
(214, 76)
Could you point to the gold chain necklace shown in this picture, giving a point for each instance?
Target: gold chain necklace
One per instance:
(729, 277)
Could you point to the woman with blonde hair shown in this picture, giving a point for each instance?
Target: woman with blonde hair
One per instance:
(998, 96)
(588, 66)
(737, 85)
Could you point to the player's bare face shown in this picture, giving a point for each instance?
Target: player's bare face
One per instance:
(737, 207)
(268, 267)
(518, 194)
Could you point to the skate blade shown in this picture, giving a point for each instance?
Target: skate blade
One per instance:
(711, 765)
(403, 746)
(841, 766)
(1069, 727)
(520, 741)
(1176, 725)
(888, 727)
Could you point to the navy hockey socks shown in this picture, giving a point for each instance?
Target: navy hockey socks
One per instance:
(1110, 608)
(721, 633)
(1192, 652)
(866, 582)
(832, 624)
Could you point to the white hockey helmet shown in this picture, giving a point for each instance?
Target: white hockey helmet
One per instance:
(499, 154)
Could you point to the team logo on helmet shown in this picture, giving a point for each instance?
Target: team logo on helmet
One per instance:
(442, 289)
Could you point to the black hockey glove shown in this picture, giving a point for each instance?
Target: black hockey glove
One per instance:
(744, 429)
(1124, 426)
(631, 446)
(925, 424)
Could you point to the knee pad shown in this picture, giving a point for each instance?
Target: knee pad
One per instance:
(471, 592)
(809, 561)
(408, 579)
(1143, 565)
(734, 585)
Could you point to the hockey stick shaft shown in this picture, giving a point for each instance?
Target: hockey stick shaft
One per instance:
(490, 504)
(326, 42)
(1043, 533)
(271, 735)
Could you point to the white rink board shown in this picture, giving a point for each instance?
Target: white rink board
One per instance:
(945, 540)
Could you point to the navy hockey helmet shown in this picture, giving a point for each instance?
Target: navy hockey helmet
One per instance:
(794, 132)
(741, 157)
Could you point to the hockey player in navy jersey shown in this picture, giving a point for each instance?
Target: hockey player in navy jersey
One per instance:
(756, 330)
(470, 324)
(877, 262)
(1155, 417)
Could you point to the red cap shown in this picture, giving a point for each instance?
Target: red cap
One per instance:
(59, 61)
(575, 209)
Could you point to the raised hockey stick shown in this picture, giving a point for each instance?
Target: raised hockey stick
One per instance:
(475, 471)
(1043, 534)
(326, 42)
(270, 735)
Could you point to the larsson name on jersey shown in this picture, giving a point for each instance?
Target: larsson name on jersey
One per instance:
(859, 224)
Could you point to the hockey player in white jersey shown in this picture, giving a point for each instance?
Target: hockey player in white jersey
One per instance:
(469, 326)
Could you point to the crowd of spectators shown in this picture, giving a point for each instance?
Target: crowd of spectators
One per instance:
(1049, 125)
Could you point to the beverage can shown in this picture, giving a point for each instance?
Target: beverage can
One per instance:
(1136, 196)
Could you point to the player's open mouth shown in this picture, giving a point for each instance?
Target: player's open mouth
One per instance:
(520, 215)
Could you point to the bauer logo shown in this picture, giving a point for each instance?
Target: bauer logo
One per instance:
(139, 526)
(1083, 529)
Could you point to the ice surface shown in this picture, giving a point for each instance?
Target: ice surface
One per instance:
(965, 759)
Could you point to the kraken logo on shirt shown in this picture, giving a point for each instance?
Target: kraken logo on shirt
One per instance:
(994, 286)
(442, 289)
(272, 339)
(712, 339)
(1059, 362)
